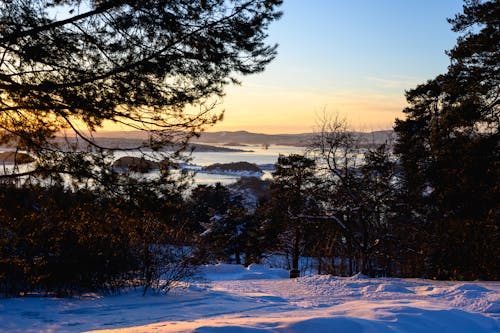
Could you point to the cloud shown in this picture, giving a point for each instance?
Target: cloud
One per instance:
(395, 82)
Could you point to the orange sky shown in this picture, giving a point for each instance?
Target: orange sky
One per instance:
(272, 110)
(351, 58)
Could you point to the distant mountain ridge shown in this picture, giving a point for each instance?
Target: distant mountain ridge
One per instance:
(245, 137)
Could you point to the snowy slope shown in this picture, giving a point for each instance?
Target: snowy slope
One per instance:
(230, 298)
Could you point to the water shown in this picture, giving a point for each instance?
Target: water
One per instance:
(253, 154)
(258, 156)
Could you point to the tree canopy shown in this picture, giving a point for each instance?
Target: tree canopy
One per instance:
(449, 148)
(155, 66)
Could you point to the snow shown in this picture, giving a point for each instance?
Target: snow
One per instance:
(231, 298)
(223, 272)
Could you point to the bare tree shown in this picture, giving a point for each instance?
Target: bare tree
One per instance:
(358, 183)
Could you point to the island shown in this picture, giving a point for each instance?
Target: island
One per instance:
(135, 164)
(234, 169)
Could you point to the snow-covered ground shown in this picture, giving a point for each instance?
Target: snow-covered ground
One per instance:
(230, 298)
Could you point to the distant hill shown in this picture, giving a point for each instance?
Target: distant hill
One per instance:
(243, 137)
(130, 141)
(301, 140)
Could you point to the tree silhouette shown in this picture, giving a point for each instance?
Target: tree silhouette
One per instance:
(448, 146)
(154, 66)
(293, 194)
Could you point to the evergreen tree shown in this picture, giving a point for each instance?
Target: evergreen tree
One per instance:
(292, 195)
(449, 150)
(222, 225)
(156, 66)
(226, 235)
(205, 202)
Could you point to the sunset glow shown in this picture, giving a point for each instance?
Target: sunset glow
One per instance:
(354, 58)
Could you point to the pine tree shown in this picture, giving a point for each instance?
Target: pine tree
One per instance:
(70, 66)
(449, 149)
(293, 195)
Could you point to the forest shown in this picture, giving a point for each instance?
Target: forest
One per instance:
(426, 205)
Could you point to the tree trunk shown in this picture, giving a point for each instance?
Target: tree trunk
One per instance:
(296, 250)
(295, 254)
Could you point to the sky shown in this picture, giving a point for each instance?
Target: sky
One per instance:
(351, 58)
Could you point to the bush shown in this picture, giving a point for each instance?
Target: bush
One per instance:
(56, 241)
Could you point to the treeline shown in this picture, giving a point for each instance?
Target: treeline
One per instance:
(359, 213)
(355, 210)
(349, 208)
